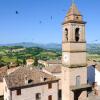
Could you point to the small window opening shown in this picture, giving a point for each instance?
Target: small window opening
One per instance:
(50, 97)
(77, 17)
(60, 94)
(45, 79)
(49, 85)
(30, 81)
(66, 34)
(77, 35)
(18, 91)
(38, 96)
(77, 81)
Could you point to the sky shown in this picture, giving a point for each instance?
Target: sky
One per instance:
(34, 23)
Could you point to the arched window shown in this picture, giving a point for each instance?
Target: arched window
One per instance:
(77, 35)
(66, 34)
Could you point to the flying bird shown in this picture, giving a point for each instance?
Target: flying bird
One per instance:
(51, 17)
(96, 40)
(17, 12)
(40, 22)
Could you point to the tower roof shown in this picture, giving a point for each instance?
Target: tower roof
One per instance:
(73, 10)
(73, 15)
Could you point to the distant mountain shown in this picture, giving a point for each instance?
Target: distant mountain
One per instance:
(24, 44)
(90, 47)
(93, 48)
(30, 44)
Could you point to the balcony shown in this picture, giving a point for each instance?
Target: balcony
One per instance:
(80, 87)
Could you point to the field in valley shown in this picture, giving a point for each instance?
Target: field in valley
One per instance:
(19, 54)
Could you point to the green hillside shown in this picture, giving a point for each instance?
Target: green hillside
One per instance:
(18, 54)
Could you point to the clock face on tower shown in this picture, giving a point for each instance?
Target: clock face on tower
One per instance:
(65, 57)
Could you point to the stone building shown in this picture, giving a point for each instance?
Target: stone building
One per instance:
(74, 63)
(93, 75)
(27, 83)
(51, 63)
(3, 71)
(55, 71)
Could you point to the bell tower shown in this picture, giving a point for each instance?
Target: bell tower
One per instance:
(74, 70)
(73, 42)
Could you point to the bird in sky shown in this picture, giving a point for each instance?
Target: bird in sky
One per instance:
(51, 17)
(40, 22)
(17, 12)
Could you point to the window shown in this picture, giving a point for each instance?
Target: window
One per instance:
(77, 17)
(77, 80)
(59, 94)
(50, 97)
(49, 85)
(30, 81)
(38, 96)
(18, 91)
(45, 79)
(66, 34)
(77, 34)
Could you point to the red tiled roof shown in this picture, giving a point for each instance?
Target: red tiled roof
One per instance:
(3, 72)
(54, 69)
(17, 78)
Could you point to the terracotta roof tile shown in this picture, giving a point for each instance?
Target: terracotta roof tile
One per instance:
(73, 10)
(54, 69)
(17, 78)
(3, 72)
(54, 61)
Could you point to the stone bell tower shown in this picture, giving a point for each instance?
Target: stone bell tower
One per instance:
(74, 70)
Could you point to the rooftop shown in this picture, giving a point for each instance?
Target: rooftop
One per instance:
(54, 61)
(3, 72)
(33, 76)
(53, 69)
(73, 10)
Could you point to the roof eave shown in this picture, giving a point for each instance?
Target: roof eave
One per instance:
(33, 85)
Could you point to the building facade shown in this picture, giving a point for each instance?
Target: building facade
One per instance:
(30, 84)
(93, 76)
(74, 64)
(3, 71)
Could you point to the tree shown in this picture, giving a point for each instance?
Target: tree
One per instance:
(0, 57)
(17, 62)
(2, 63)
(35, 61)
(24, 61)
